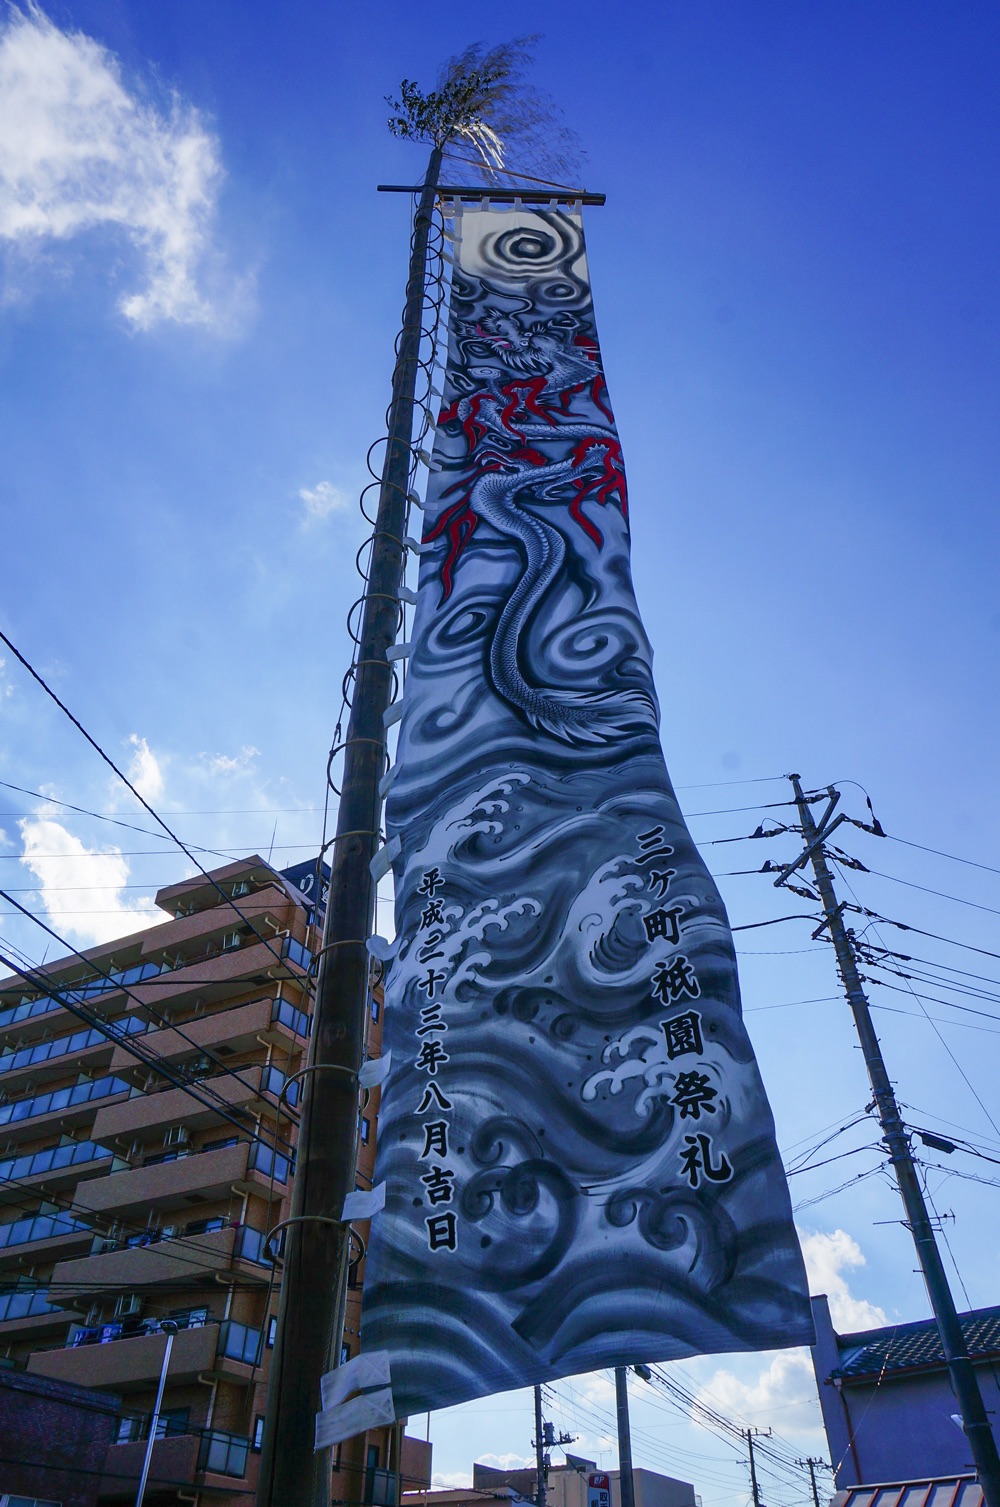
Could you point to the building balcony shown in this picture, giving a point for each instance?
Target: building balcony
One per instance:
(88, 1049)
(56, 1167)
(176, 1184)
(27, 1311)
(145, 1115)
(225, 1032)
(53, 1235)
(225, 973)
(34, 1019)
(118, 1364)
(202, 1457)
(173, 1463)
(269, 909)
(164, 1263)
(58, 1109)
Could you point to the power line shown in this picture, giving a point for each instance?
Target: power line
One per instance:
(874, 916)
(958, 1066)
(118, 987)
(153, 1060)
(40, 680)
(971, 862)
(941, 894)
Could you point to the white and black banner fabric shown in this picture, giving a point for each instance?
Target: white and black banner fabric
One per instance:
(578, 1153)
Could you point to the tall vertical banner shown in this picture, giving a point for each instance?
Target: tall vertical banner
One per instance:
(578, 1153)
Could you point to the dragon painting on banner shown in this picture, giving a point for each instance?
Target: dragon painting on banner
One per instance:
(578, 1153)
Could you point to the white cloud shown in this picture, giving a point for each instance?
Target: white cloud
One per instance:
(230, 763)
(322, 500)
(456, 1479)
(826, 1256)
(81, 888)
(79, 151)
(145, 770)
(509, 1461)
(783, 1393)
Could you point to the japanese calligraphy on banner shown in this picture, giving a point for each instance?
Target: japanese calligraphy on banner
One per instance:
(579, 1156)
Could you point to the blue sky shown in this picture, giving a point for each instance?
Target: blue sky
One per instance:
(796, 291)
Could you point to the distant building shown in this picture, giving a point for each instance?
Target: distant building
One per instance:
(53, 1439)
(567, 1487)
(890, 1416)
(125, 1199)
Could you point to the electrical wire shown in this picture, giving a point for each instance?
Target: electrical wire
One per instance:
(155, 1062)
(874, 916)
(939, 853)
(941, 894)
(933, 1024)
(106, 757)
(41, 982)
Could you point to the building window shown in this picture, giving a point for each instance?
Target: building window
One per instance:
(345, 1354)
(374, 1008)
(172, 1421)
(189, 1318)
(366, 1130)
(257, 1439)
(204, 1226)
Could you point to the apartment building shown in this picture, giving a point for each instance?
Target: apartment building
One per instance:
(147, 1144)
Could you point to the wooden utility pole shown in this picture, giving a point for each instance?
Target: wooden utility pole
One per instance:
(964, 1382)
(314, 1274)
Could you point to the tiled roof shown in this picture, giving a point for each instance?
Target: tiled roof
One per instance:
(910, 1345)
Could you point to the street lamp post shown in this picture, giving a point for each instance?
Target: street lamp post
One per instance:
(169, 1328)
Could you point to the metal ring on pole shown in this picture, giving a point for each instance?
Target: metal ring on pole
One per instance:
(317, 1067)
(283, 1224)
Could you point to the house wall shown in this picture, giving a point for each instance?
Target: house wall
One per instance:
(53, 1439)
(897, 1428)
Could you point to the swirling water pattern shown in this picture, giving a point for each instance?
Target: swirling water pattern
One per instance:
(579, 1155)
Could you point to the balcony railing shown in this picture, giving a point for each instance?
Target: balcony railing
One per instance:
(240, 1342)
(297, 952)
(39, 1227)
(77, 1042)
(126, 978)
(287, 1015)
(130, 1329)
(273, 1080)
(61, 1098)
(225, 1454)
(25, 1303)
(14, 1168)
(270, 1163)
(27, 1010)
(380, 1487)
(251, 1245)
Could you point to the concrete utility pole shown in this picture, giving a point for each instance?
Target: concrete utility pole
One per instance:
(964, 1382)
(812, 1464)
(753, 1469)
(625, 1480)
(540, 1492)
(314, 1275)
